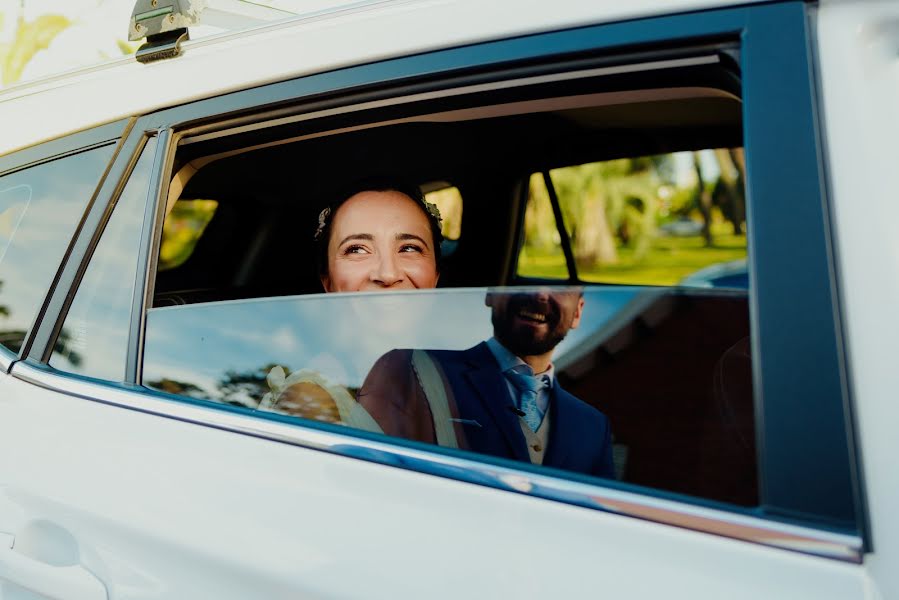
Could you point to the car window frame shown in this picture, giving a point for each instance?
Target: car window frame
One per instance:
(49, 151)
(791, 475)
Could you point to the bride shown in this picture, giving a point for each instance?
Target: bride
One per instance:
(381, 236)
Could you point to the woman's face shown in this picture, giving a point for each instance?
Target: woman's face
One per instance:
(380, 241)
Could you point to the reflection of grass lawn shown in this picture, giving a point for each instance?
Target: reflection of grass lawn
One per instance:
(668, 260)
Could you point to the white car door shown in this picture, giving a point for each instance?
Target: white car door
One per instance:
(113, 485)
(104, 500)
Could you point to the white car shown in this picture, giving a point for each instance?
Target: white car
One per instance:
(159, 290)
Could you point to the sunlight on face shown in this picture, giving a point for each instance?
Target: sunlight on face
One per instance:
(380, 241)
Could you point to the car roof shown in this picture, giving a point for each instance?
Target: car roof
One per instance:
(325, 40)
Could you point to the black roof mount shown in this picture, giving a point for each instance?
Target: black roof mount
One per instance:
(164, 23)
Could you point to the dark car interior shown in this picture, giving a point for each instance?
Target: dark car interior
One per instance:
(485, 144)
(675, 380)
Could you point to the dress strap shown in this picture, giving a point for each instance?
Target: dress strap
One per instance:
(432, 384)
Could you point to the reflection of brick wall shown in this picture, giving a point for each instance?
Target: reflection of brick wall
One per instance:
(676, 384)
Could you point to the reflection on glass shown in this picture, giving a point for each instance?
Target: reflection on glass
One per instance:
(39, 209)
(649, 385)
(94, 336)
(14, 202)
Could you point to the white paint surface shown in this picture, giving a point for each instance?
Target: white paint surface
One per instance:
(46, 109)
(859, 63)
(166, 509)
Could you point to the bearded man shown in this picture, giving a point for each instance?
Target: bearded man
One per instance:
(500, 398)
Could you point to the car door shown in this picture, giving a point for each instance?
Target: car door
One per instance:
(120, 480)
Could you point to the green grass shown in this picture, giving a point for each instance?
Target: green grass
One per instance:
(668, 260)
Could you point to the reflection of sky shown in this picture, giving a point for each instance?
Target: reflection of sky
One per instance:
(14, 202)
(339, 335)
(60, 191)
(98, 321)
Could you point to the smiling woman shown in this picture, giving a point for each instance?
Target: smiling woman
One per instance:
(381, 236)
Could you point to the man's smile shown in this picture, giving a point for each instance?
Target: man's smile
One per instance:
(532, 316)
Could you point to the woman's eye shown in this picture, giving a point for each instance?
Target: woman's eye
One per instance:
(410, 248)
(355, 249)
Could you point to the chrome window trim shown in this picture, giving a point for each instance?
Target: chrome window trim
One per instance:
(742, 527)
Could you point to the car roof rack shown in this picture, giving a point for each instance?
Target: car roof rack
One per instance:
(164, 23)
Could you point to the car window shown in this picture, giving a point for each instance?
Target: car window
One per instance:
(40, 208)
(680, 420)
(659, 379)
(184, 225)
(541, 255)
(94, 337)
(666, 219)
(448, 200)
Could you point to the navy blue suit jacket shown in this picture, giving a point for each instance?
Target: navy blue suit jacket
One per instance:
(579, 435)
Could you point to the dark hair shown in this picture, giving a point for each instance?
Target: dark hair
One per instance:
(373, 184)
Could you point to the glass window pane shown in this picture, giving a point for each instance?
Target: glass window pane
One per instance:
(449, 203)
(669, 219)
(183, 227)
(650, 386)
(541, 253)
(39, 210)
(94, 336)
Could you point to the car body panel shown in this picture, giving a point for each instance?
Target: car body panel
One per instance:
(169, 509)
(859, 51)
(272, 53)
(215, 505)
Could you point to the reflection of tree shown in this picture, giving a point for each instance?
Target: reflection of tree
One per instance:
(244, 388)
(179, 388)
(64, 347)
(4, 311)
(10, 338)
(238, 388)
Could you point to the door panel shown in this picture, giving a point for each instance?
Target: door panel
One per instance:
(161, 508)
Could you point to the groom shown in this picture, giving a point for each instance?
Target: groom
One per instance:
(501, 397)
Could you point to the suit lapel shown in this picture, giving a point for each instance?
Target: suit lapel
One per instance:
(492, 393)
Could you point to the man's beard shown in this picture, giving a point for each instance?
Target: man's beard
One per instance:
(522, 340)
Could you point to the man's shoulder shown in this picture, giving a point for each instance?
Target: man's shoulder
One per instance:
(474, 354)
(400, 357)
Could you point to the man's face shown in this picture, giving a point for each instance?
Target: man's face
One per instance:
(533, 323)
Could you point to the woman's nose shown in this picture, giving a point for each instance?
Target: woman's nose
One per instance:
(386, 272)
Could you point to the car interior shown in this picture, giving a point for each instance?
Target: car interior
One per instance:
(675, 379)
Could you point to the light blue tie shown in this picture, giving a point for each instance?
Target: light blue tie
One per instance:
(528, 387)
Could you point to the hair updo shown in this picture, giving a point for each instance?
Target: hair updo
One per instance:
(374, 184)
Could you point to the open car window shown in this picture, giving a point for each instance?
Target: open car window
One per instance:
(669, 368)
(480, 149)
(659, 379)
